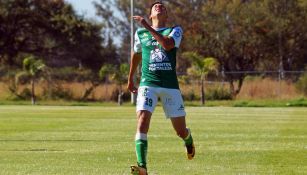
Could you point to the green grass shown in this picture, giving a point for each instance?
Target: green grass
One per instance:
(300, 102)
(89, 140)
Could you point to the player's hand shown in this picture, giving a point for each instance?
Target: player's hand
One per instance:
(131, 87)
(140, 20)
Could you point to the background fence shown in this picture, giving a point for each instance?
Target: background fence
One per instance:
(256, 85)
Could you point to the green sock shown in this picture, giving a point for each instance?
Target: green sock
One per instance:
(189, 139)
(141, 152)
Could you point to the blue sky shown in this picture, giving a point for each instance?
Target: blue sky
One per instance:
(84, 7)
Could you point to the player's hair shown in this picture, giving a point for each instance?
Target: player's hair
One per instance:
(157, 2)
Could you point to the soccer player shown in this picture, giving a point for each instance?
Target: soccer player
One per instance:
(156, 46)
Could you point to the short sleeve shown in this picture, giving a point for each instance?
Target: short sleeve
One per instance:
(137, 43)
(176, 34)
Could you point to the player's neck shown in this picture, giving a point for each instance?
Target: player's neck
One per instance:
(158, 24)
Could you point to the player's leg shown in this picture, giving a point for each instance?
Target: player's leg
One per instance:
(174, 109)
(141, 143)
(182, 131)
(146, 102)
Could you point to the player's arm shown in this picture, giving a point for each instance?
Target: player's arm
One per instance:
(136, 57)
(135, 61)
(166, 42)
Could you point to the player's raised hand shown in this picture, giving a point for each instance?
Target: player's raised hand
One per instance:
(140, 20)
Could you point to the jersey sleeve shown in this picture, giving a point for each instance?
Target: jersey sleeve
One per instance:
(137, 43)
(176, 34)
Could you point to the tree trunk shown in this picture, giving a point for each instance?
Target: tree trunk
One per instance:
(120, 95)
(33, 98)
(202, 92)
(240, 83)
(89, 91)
(234, 92)
(232, 88)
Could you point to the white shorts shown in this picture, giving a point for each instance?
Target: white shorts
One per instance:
(171, 100)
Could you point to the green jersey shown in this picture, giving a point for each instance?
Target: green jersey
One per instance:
(158, 65)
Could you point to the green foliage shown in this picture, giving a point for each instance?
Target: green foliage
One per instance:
(118, 74)
(302, 102)
(52, 30)
(201, 66)
(106, 70)
(33, 66)
(301, 84)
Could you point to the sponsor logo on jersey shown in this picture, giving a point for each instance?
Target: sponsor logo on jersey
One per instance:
(144, 40)
(160, 66)
(159, 60)
(157, 56)
(152, 43)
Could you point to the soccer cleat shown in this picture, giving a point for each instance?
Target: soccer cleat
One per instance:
(190, 151)
(136, 170)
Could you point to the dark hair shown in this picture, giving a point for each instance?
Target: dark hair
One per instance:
(157, 2)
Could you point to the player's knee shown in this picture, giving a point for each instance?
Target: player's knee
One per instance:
(182, 133)
(143, 123)
(143, 127)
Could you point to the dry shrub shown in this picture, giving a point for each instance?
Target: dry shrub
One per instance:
(192, 90)
(104, 92)
(267, 88)
(3, 90)
(254, 88)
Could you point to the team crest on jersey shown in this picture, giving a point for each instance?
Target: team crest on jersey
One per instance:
(158, 56)
(159, 60)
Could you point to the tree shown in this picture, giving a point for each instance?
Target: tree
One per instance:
(231, 37)
(241, 35)
(117, 74)
(33, 67)
(51, 30)
(200, 69)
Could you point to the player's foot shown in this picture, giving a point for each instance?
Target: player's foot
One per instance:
(136, 170)
(190, 151)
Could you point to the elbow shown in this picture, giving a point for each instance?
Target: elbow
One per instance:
(168, 44)
(168, 47)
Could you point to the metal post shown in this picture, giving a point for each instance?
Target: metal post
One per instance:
(133, 95)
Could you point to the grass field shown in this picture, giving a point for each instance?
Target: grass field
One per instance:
(93, 140)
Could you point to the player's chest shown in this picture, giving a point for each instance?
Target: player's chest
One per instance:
(149, 42)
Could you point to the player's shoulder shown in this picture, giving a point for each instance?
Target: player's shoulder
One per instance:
(177, 27)
(177, 31)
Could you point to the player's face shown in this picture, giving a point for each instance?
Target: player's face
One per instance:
(158, 11)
